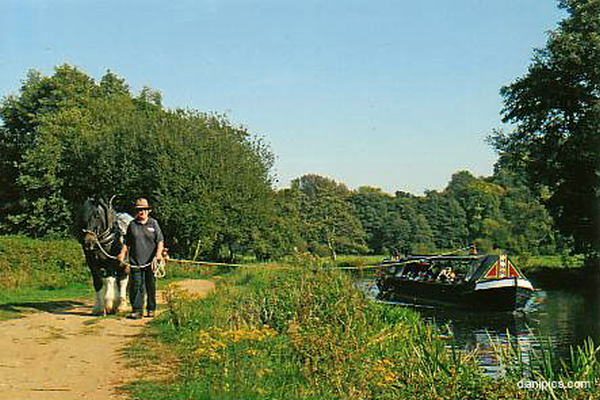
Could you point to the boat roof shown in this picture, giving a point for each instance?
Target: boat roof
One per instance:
(432, 257)
(481, 267)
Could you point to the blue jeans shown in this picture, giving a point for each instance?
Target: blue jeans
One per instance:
(142, 281)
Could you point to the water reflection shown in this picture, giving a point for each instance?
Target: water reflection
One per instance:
(564, 318)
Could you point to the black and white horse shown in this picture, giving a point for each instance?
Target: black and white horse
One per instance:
(103, 230)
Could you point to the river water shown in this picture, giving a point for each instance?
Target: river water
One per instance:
(561, 317)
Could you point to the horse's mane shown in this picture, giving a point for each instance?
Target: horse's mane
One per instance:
(93, 207)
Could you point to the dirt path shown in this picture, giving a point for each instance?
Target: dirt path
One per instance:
(65, 353)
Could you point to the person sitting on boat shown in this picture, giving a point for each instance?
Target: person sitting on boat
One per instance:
(423, 276)
(410, 272)
(432, 274)
(447, 275)
(473, 249)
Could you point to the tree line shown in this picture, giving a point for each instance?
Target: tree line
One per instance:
(68, 136)
(492, 212)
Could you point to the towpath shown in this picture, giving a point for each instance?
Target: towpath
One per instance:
(62, 352)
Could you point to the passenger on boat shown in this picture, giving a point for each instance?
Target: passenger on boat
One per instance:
(447, 275)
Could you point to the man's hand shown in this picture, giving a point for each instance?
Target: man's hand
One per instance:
(160, 248)
(122, 254)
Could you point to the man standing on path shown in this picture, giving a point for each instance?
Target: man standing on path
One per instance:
(144, 242)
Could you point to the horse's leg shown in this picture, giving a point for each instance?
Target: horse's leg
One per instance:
(98, 300)
(123, 279)
(110, 284)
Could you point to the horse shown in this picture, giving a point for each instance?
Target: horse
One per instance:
(102, 240)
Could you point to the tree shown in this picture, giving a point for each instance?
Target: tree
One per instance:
(372, 207)
(393, 224)
(531, 227)
(314, 185)
(447, 219)
(328, 220)
(480, 200)
(556, 109)
(279, 233)
(30, 197)
(68, 137)
(405, 206)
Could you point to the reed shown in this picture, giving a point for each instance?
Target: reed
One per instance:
(541, 364)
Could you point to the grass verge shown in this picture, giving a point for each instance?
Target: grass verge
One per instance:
(14, 303)
(48, 274)
(306, 332)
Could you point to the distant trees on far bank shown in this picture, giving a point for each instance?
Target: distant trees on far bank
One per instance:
(493, 212)
(322, 216)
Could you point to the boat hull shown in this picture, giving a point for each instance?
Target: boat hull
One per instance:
(497, 295)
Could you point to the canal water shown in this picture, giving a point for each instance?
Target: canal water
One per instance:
(562, 317)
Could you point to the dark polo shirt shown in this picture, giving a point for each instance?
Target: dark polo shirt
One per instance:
(141, 240)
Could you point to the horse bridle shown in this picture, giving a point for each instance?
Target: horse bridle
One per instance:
(106, 237)
(102, 239)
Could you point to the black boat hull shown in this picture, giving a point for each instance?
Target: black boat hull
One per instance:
(500, 295)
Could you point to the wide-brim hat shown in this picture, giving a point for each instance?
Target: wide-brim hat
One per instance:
(141, 204)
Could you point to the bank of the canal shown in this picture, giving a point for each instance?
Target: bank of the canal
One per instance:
(303, 332)
(307, 332)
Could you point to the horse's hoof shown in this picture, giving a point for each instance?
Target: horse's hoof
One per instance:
(98, 312)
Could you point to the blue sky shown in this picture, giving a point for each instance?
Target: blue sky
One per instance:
(393, 94)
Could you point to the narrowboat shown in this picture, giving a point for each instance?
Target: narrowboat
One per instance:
(476, 282)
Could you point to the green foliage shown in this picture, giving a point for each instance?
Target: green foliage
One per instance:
(556, 109)
(27, 263)
(305, 332)
(447, 219)
(531, 227)
(392, 224)
(279, 233)
(371, 206)
(328, 222)
(542, 365)
(480, 200)
(419, 236)
(496, 212)
(68, 137)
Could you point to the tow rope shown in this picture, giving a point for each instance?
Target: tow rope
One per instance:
(159, 266)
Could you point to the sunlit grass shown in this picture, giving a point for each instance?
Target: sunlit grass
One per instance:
(303, 333)
(306, 332)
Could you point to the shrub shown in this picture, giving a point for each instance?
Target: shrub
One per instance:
(42, 263)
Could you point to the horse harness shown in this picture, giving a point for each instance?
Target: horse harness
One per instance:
(158, 267)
